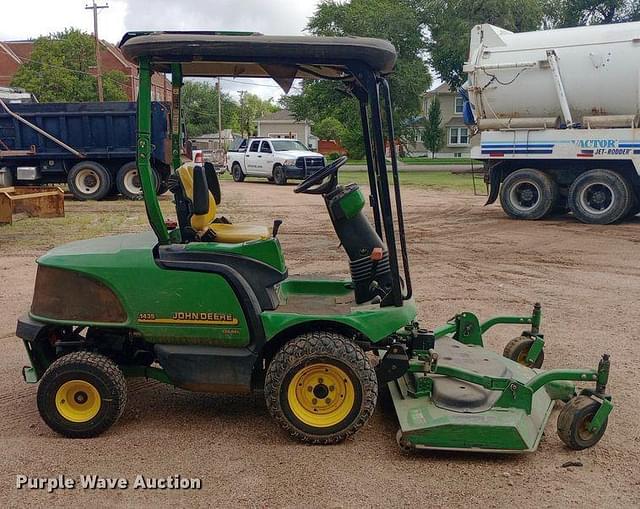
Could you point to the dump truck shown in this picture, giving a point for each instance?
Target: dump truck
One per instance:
(557, 115)
(89, 146)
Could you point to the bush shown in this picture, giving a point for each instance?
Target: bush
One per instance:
(333, 156)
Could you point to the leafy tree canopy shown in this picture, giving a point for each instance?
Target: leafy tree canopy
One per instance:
(395, 20)
(59, 70)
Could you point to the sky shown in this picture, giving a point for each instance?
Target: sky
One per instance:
(27, 19)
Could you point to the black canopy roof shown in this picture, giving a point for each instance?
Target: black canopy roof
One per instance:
(283, 58)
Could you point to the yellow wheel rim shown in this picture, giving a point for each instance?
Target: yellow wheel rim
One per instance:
(78, 401)
(522, 358)
(321, 395)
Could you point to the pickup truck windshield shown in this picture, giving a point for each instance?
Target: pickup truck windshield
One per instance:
(284, 145)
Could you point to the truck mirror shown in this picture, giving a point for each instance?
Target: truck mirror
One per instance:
(200, 191)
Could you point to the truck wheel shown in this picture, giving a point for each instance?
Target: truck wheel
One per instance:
(528, 194)
(321, 388)
(279, 175)
(600, 197)
(89, 180)
(237, 173)
(128, 181)
(81, 395)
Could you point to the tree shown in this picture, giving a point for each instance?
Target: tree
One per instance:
(200, 106)
(59, 69)
(252, 108)
(395, 20)
(329, 128)
(433, 136)
(450, 23)
(567, 13)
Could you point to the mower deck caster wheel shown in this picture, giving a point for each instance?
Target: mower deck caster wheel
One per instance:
(574, 421)
(403, 443)
(518, 349)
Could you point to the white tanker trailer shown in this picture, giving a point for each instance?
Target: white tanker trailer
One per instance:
(557, 112)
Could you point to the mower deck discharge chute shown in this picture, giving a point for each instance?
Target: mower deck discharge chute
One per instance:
(207, 305)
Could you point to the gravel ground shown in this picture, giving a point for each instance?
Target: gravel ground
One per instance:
(463, 257)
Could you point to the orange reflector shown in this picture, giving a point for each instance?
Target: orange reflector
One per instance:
(376, 254)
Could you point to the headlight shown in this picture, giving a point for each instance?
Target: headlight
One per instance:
(289, 162)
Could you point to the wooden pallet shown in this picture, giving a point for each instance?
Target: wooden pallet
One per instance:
(30, 201)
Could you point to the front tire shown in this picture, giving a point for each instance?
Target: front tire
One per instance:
(600, 197)
(321, 388)
(279, 175)
(89, 180)
(81, 395)
(528, 194)
(237, 173)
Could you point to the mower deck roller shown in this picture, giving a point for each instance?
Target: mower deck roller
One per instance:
(206, 304)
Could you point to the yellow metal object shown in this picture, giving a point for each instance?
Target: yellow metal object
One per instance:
(321, 395)
(78, 401)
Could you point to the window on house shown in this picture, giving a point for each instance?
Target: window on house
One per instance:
(458, 136)
(459, 105)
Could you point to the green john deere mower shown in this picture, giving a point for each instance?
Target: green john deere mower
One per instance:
(207, 305)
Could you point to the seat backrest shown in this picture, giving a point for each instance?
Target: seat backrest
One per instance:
(198, 221)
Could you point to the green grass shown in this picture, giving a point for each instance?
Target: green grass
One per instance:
(421, 179)
(419, 161)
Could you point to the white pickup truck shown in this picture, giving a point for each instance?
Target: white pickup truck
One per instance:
(277, 159)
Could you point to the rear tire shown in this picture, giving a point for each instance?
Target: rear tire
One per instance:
(321, 388)
(279, 175)
(528, 194)
(82, 394)
(88, 180)
(600, 197)
(237, 173)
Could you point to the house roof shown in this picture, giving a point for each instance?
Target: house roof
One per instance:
(441, 89)
(278, 115)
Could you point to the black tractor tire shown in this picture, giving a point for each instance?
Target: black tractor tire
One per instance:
(299, 400)
(517, 350)
(600, 197)
(279, 175)
(573, 422)
(162, 188)
(237, 173)
(88, 180)
(98, 389)
(528, 194)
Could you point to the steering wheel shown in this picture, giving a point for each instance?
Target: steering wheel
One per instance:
(318, 177)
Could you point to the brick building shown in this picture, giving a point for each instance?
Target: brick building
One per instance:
(14, 53)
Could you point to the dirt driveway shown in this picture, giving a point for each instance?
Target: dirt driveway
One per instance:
(463, 257)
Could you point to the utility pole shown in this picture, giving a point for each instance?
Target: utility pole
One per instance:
(95, 7)
(219, 115)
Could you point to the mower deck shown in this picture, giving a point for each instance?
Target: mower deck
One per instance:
(462, 416)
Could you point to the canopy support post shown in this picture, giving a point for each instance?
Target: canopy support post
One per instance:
(143, 157)
(176, 115)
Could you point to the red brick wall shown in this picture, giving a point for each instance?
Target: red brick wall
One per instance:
(8, 68)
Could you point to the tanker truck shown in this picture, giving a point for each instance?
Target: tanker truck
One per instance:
(557, 112)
